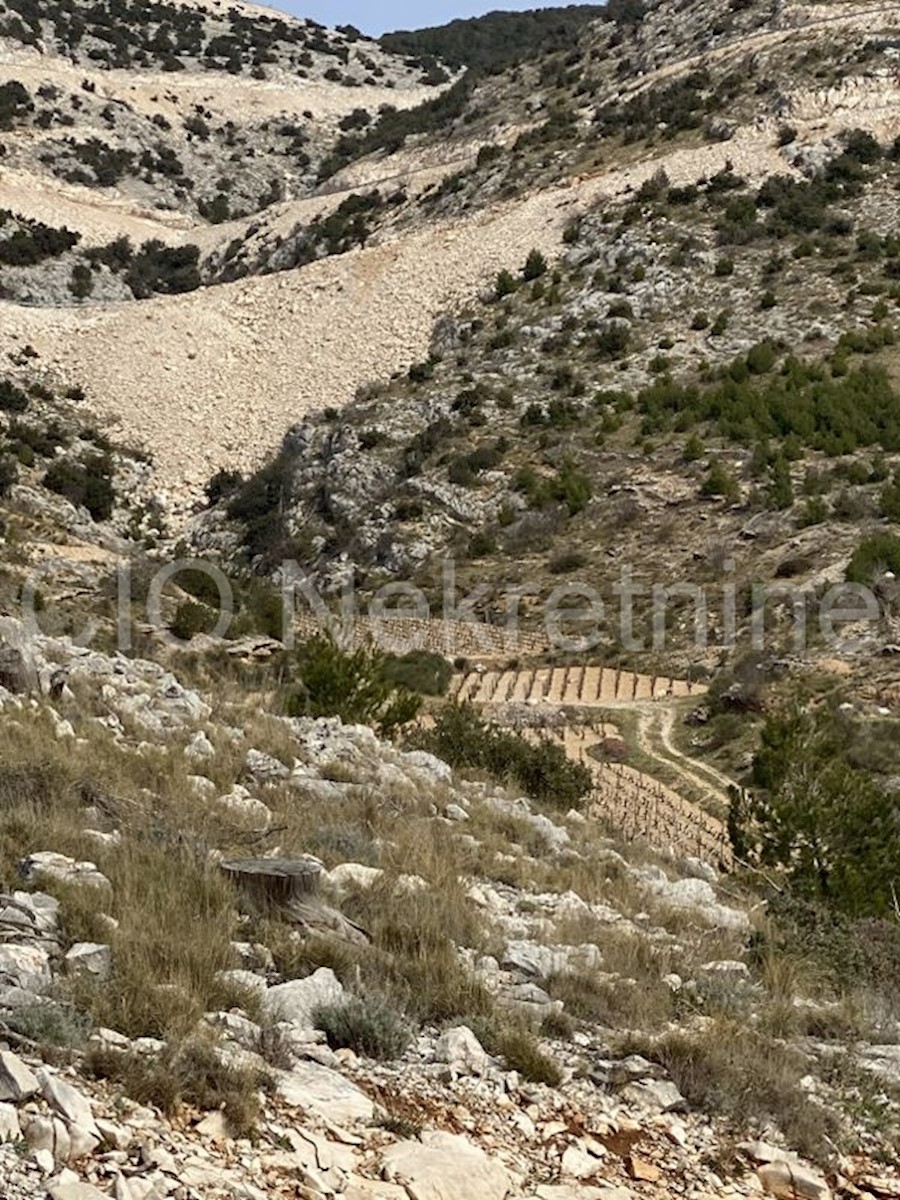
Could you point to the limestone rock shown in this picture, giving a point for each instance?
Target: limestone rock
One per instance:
(790, 1181)
(75, 1191)
(326, 1093)
(247, 808)
(90, 958)
(48, 863)
(17, 1081)
(445, 1166)
(199, 748)
(350, 874)
(26, 967)
(10, 1130)
(657, 1094)
(462, 1051)
(297, 1000)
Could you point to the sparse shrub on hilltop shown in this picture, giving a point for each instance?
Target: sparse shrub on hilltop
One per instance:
(191, 618)
(498, 39)
(418, 671)
(16, 103)
(9, 473)
(32, 242)
(12, 398)
(535, 266)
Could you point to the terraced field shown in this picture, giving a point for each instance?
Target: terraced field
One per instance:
(590, 686)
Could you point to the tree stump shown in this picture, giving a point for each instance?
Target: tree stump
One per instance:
(291, 886)
(275, 882)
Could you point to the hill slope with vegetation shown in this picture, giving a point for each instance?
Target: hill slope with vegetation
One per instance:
(497, 40)
(605, 911)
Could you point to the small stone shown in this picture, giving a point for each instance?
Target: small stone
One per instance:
(790, 1181)
(10, 1130)
(199, 748)
(645, 1172)
(44, 1162)
(17, 1081)
(578, 1164)
(658, 1094)
(215, 1127)
(462, 1051)
(116, 1137)
(89, 958)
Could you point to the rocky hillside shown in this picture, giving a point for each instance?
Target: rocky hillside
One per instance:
(421, 208)
(604, 915)
(159, 123)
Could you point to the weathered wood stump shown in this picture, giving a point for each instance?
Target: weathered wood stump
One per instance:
(291, 886)
(275, 882)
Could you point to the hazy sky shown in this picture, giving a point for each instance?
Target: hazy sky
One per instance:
(384, 15)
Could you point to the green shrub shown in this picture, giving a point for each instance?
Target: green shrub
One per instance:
(543, 771)
(734, 1071)
(482, 544)
(613, 342)
(350, 685)
(505, 285)
(191, 618)
(15, 103)
(828, 824)
(171, 270)
(693, 449)
(535, 266)
(890, 499)
(85, 484)
(761, 358)
(719, 482)
(81, 282)
(9, 473)
(801, 403)
(12, 398)
(223, 485)
(50, 1025)
(194, 1073)
(873, 556)
(781, 492)
(517, 1045)
(566, 561)
(368, 1024)
(419, 671)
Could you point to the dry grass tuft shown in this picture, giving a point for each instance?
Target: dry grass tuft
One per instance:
(191, 1074)
(729, 1069)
